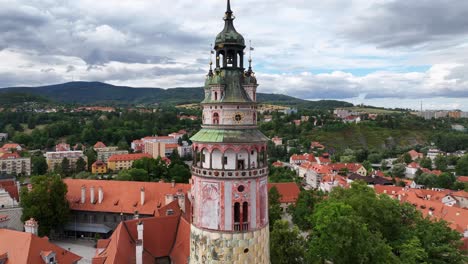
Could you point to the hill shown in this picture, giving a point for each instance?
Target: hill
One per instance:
(103, 93)
(15, 98)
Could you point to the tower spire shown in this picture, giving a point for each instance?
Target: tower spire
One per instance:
(228, 9)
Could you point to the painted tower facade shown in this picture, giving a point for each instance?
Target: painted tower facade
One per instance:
(229, 172)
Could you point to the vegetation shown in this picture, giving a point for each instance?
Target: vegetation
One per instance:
(358, 226)
(287, 245)
(274, 206)
(46, 203)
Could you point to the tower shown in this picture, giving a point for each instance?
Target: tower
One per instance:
(229, 171)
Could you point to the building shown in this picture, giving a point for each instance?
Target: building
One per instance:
(104, 153)
(155, 149)
(9, 205)
(14, 164)
(124, 161)
(411, 169)
(298, 159)
(289, 193)
(185, 150)
(433, 153)
(348, 168)
(98, 206)
(99, 167)
(415, 155)
(3, 137)
(25, 247)
(461, 197)
(277, 141)
(54, 159)
(230, 170)
(12, 147)
(317, 145)
(99, 145)
(314, 174)
(62, 147)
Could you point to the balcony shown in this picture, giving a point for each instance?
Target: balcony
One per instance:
(241, 226)
(219, 173)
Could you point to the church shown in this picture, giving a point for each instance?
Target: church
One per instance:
(225, 216)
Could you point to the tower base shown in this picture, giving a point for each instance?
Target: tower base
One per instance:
(237, 248)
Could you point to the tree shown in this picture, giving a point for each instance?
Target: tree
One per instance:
(407, 158)
(179, 173)
(65, 167)
(462, 166)
(286, 244)
(441, 163)
(91, 156)
(426, 163)
(39, 165)
(412, 251)
(80, 165)
(398, 170)
(446, 180)
(304, 207)
(429, 180)
(375, 158)
(46, 203)
(274, 206)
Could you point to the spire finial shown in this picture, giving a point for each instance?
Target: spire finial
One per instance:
(210, 73)
(228, 9)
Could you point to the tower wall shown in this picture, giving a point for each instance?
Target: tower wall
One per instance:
(207, 246)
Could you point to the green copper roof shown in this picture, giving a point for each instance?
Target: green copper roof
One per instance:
(229, 34)
(229, 136)
(232, 79)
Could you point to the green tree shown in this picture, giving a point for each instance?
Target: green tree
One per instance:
(412, 252)
(91, 155)
(39, 165)
(304, 207)
(65, 167)
(179, 173)
(426, 163)
(46, 203)
(375, 158)
(441, 163)
(446, 180)
(398, 170)
(80, 165)
(274, 206)
(407, 158)
(287, 246)
(462, 166)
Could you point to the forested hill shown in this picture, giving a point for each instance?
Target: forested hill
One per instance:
(103, 93)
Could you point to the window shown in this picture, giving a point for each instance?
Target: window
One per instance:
(215, 118)
(216, 96)
(236, 212)
(245, 212)
(241, 188)
(225, 160)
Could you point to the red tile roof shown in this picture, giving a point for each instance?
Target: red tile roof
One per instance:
(277, 164)
(414, 165)
(288, 190)
(13, 155)
(121, 196)
(462, 178)
(26, 248)
(99, 144)
(11, 187)
(414, 154)
(9, 146)
(172, 145)
(460, 194)
(128, 157)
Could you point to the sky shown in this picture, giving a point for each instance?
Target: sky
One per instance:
(392, 53)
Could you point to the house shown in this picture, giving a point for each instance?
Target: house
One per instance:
(54, 159)
(372, 180)
(349, 168)
(3, 137)
(449, 200)
(314, 174)
(324, 159)
(463, 179)
(98, 206)
(331, 181)
(289, 193)
(433, 153)
(415, 155)
(277, 141)
(298, 159)
(9, 147)
(99, 145)
(277, 164)
(316, 145)
(352, 119)
(62, 147)
(27, 247)
(462, 198)
(99, 167)
(103, 153)
(14, 164)
(9, 204)
(411, 169)
(124, 161)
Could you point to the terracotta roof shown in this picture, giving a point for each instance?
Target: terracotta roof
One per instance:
(306, 157)
(99, 163)
(11, 146)
(387, 189)
(352, 167)
(121, 196)
(27, 248)
(13, 155)
(99, 144)
(414, 154)
(414, 165)
(288, 190)
(277, 164)
(172, 145)
(460, 194)
(11, 188)
(462, 178)
(127, 157)
(162, 236)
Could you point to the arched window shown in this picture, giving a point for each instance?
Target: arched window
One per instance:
(245, 212)
(215, 118)
(237, 217)
(216, 96)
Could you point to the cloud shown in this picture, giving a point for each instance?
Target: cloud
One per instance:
(332, 49)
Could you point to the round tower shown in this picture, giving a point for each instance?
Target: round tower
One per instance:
(229, 171)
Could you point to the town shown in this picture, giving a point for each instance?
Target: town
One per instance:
(226, 174)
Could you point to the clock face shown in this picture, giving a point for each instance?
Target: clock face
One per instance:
(237, 117)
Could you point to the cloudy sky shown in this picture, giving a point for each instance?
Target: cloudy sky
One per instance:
(393, 53)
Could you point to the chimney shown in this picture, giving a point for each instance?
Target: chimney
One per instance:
(31, 226)
(139, 244)
(100, 194)
(142, 195)
(83, 194)
(91, 195)
(172, 183)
